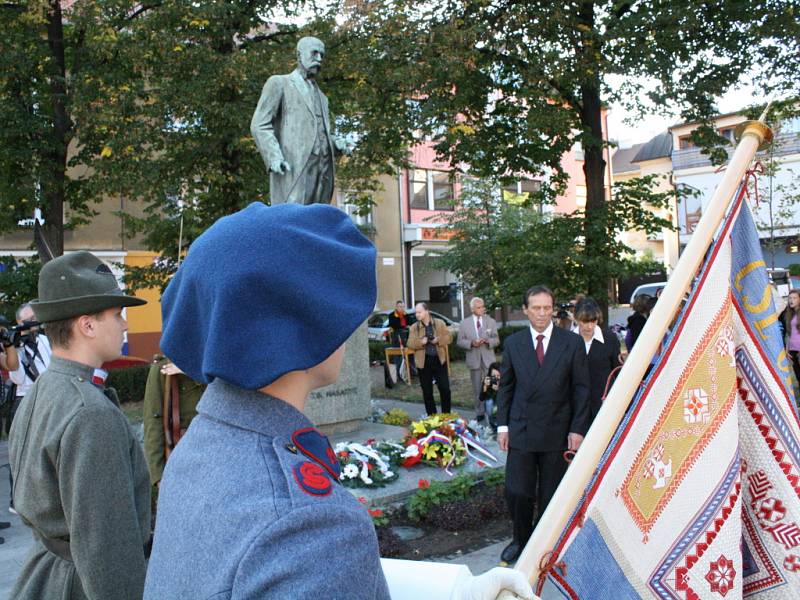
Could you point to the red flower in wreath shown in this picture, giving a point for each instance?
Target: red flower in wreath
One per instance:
(412, 460)
(375, 512)
(423, 484)
(721, 575)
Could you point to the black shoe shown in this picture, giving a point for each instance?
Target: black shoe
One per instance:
(511, 552)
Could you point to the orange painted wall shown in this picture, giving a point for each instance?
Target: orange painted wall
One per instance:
(144, 322)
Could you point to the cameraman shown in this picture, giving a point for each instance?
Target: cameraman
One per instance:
(491, 383)
(33, 349)
(9, 361)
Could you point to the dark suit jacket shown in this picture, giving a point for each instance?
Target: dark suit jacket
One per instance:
(602, 359)
(542, 404)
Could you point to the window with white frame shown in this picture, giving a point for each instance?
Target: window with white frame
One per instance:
(346, 201)
(443, 192)
(418, 188)
(430, 190)
(521, 192)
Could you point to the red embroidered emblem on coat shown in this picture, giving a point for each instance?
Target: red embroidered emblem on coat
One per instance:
(312, 479)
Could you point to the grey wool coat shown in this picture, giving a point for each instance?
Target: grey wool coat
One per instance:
(81, 482)
(249, 507)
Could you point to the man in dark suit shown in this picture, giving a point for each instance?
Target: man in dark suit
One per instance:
(543, 410)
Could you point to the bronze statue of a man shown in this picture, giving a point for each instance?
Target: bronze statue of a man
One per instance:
(292, 130)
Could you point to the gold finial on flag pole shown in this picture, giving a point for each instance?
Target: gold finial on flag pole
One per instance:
(760, 126)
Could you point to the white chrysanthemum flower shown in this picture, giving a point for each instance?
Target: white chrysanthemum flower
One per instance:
(350, 471)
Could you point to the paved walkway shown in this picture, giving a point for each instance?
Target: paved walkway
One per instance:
(18, 539)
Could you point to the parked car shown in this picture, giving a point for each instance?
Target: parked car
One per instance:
(648, 288)
(781, 279)
(378, 323)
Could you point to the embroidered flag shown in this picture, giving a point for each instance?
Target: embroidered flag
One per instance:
(698, 493)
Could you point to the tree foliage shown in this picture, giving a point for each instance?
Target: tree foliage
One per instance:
(48, 62)
(19, 283)
(508, 87)
(499, 248)
(176, 135)
(153, 101)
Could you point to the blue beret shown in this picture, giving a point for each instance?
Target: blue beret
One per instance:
(266, 291)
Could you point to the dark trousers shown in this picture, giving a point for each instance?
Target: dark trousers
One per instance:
(434, 369)
(14, 406)
(531, 481)
(793, 355)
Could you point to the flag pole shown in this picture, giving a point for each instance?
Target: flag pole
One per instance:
(754, 134)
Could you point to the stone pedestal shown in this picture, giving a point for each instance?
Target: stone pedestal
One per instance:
(340, 407)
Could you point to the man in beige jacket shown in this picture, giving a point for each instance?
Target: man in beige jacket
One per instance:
(429, 338)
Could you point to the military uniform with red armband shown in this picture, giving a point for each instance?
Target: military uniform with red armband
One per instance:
(250, 505)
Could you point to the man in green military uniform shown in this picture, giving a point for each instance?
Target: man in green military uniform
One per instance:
(160, 432)
(80, 476)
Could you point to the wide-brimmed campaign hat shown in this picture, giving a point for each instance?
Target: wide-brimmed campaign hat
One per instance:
(266, 291)
(77, 284)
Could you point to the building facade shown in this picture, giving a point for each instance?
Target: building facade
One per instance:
(682, 164)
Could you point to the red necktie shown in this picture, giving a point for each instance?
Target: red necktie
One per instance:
(540, 348)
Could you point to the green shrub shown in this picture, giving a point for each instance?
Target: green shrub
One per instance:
(457, 490)
(397, 416)
(494, 477)
(376, 349)
(129, 383)
(457, 352)
(794, 269)
(436, 492)
(506, 331)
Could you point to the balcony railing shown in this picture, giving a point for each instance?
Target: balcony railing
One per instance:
(785, 143)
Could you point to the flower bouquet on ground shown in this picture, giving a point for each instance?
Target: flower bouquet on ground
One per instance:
(371, 464)
(444, 440)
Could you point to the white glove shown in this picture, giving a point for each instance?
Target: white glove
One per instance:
(489, 585)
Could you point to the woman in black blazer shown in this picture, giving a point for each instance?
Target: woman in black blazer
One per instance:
(602, 350)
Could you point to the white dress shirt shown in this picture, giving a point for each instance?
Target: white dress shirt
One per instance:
(598, 335)
(481, 332)
(41, 360)
(546, 333)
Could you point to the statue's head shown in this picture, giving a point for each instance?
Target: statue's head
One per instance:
(310, 52)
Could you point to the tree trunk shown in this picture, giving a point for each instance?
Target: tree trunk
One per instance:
(594, 164)
(53, 178)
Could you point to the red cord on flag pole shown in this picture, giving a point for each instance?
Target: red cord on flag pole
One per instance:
(549, 563)
(614, 371)
(758, 169)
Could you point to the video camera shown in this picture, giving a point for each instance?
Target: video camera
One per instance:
(18, 334)
(564, 309)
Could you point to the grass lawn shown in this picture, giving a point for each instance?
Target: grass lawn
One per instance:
(460, 387)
